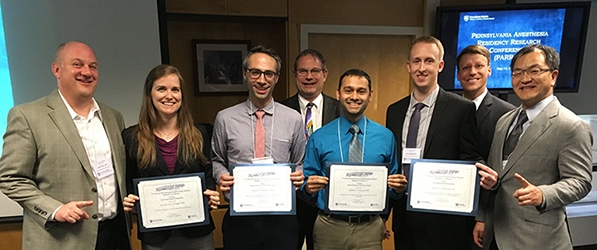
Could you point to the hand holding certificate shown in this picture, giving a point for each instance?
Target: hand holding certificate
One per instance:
(439, 186)
(262, 189)
(171, 201)
(357, 188)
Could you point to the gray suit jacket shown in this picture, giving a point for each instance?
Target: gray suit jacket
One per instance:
(554, 154)
(44, 165)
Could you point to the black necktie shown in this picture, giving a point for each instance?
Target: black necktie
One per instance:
(512, 139)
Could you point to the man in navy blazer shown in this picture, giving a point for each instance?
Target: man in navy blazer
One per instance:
(310, 73)
(446, 131)
(473, 70)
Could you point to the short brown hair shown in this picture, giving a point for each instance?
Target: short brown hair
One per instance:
(474, 49)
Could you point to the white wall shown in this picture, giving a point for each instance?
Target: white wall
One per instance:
(123, 33)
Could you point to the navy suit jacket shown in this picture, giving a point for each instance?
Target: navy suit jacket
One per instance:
(490, 110)
(451, 136)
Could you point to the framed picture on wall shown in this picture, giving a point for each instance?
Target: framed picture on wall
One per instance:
(218, 66)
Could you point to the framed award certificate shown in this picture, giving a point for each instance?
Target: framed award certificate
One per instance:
(357, 188)
(262, 189)
(442, 186)
(168, 202)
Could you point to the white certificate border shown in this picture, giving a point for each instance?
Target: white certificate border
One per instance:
(206, 208)
(293, 194)
(475, 183)
(327, 190)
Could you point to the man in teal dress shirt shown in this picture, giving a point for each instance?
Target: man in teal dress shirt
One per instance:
(331, 143)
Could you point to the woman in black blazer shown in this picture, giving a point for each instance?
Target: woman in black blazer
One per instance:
(165, 142)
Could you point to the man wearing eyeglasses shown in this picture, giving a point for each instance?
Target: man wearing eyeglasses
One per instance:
(540, 162)
(317, 109)
(236, 140)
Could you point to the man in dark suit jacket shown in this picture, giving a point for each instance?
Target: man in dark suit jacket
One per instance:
(473, 70)
(310, 73)
(446, 131)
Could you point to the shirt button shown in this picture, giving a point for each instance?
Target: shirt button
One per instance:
(94, 190)
(94, 216)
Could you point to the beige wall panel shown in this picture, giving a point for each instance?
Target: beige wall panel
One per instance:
(382, 57)
(210, 7)
(276, 8)
(357, 12)
(11, 235)
(204, 108)
(348, 12)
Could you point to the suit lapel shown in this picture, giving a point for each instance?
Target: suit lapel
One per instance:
(61, 118)
(161, 163)
(537, 127)
(329, 110)
(113, 131)
(484, 109)
(401, 116)
(294, 103)
(438, 112)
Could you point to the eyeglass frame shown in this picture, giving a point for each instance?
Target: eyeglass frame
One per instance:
(264, 73)
(520, 72)
(313, 71)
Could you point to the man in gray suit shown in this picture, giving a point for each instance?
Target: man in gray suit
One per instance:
(310, 73)
(63, 161)
(540, 162)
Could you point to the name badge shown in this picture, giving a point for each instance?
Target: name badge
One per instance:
(409, 154)
(264, 160)
(103, 169)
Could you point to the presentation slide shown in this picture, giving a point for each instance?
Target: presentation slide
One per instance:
(506, 32)
(9, 208)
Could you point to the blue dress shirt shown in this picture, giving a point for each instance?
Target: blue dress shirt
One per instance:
(377, 142)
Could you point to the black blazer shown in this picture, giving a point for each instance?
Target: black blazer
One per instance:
(490, 110)
(131, 143)
(451, 136)
(331, 107)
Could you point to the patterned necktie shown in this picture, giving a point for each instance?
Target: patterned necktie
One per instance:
(355, 153)
(308, 120)
(512, 139)
(259, 135)
(413, 126)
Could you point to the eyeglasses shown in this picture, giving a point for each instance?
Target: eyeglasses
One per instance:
(532, 71)
(255, 74)
(304, 72)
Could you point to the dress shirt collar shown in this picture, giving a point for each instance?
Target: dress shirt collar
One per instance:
(251, 108)
(429, 101)
(345, 124)
(480, 98)
(534, 111)
(318, 102)
(94, 109)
